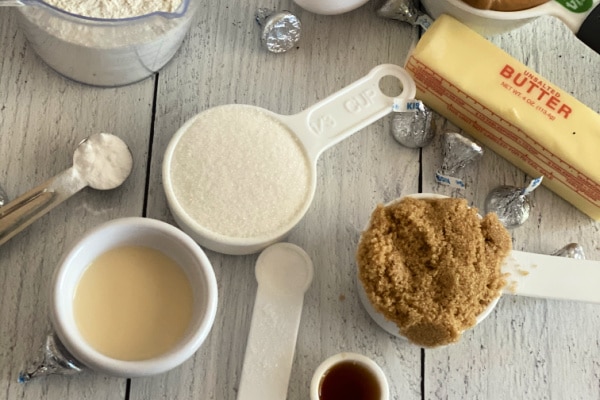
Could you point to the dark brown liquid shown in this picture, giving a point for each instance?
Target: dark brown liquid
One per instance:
(349, 380)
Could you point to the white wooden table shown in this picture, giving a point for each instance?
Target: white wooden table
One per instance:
(527, 349)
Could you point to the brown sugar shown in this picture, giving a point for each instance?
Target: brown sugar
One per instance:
(432, 266)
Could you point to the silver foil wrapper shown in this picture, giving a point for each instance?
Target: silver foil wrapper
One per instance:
(572, 250)
(280, 30)
(55, 360)
(511, 204)
(458, 151)
(404, 11)
(413, 129)
(3, 197)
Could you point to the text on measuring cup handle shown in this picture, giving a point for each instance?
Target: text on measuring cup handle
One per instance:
(355, 104)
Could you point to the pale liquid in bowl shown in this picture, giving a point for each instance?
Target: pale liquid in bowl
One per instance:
(133, 303)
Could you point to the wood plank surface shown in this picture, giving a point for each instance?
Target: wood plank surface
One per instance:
(534, 349)
(223, 62)
(43, 117)
(527, 348)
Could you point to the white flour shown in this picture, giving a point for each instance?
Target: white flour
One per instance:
(115, 9)
(111, 52)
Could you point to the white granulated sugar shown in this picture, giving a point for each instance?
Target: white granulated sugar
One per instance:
(114, 9)
(239, 172)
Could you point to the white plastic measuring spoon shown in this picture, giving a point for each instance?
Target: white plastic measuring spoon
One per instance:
(552, 277)
(284, 272)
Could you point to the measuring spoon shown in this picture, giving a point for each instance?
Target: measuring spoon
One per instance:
(313, 130)
(284, 272)
(102, 161)
(529, 275)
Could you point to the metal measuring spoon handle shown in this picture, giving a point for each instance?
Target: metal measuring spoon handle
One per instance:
(102, 161)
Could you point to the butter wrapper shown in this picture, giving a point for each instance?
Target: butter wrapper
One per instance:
(510, 109)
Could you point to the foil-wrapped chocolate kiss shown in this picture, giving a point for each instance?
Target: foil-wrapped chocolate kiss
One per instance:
(413, 126)
(404, 11)
(55, 360)
(511, 204)
(458, 151)
(572, 250)
(280, 30)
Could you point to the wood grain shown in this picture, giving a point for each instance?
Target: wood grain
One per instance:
(527, 348)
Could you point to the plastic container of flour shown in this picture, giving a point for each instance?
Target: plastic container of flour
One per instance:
(109, 49)
(238, 178)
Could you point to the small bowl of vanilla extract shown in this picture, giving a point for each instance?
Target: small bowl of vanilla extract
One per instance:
(346, 376)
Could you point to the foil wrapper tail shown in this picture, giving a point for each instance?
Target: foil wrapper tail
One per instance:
(55, 360)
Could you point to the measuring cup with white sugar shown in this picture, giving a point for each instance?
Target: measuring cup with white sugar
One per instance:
(238, 178)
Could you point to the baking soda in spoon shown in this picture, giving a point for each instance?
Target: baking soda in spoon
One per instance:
(284, 272)
(102, 161)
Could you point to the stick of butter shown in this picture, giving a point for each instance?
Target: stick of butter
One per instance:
(511, 109)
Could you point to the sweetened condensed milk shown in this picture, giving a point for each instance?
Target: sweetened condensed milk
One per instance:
(133, 303)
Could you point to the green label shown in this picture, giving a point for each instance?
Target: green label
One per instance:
(576, 6)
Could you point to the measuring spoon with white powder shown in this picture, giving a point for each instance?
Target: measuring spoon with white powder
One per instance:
(284, 272)
(102, 161)
(238, 177)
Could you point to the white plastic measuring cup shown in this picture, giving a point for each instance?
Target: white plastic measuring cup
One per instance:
(529, 274)
(284, 272)
(196, 187)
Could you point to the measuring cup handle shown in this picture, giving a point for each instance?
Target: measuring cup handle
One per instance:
(349, 110)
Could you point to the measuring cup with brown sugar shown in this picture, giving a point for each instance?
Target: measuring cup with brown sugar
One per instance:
(445, 297)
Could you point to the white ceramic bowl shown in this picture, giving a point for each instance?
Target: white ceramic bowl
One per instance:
(330, 7)
(364, 361)
(387, 325)
(143, 232)
(486, 22)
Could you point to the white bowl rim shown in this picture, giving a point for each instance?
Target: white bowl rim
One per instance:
(365, 361)
(533, 12)
(83, 352)
(209, 235)
(387, 325)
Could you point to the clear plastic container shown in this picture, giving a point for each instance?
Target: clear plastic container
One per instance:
(105, 52)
